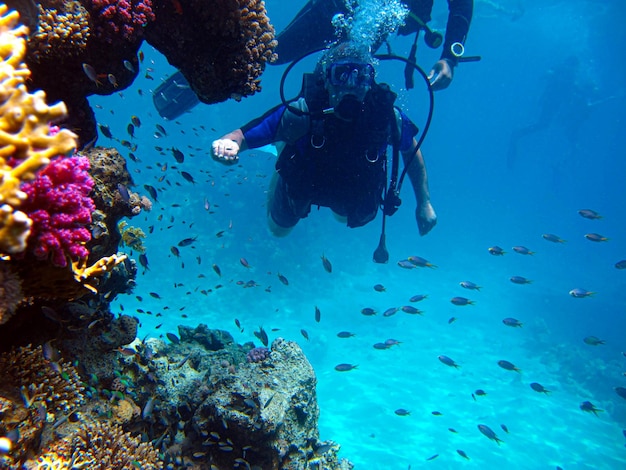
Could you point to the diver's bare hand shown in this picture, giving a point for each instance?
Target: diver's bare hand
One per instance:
(225, 151)
(441, 75)
(426, 218)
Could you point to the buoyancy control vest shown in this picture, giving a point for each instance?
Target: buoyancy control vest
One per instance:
(341, 164)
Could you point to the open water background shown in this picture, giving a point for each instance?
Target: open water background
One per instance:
(480, 200)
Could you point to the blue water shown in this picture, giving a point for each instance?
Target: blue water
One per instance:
(480, 202)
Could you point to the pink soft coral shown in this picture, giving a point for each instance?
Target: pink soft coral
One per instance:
(59, 205)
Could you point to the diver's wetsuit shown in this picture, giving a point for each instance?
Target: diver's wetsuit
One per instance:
(311, 28)
(337, 174)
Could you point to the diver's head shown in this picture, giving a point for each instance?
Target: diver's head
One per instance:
(348, 73)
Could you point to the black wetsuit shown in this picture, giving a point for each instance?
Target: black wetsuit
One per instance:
(312, 29)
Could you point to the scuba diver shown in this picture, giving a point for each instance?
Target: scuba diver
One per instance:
(565, 100)
(333, 143)
(312, 29)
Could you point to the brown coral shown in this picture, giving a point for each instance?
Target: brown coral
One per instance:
(101, 446)
(63, 29)
(221, 47)
(30, 390)
(10, 292)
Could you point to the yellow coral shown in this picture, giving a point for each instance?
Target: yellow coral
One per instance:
(24, 131)
(82, 273)
(14, 229)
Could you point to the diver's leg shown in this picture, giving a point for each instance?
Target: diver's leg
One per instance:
(311, 29)
(278, 209)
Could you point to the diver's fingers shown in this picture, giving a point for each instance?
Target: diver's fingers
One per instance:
(225, 147)
(434, 79)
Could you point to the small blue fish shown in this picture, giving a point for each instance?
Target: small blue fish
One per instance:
(488, 432)
(593, 341)
(580, 293)
(418, 298)
(513, 322)
(421, 262)
(589, 407)
(328, 267)
(496, 251)
(406, 264)
(596, 237)
(345, 334)
(469, 285)
(390, 311)
(552, 238)
(410, 310)
(448, 361)
(537, 387)
(461, 301)
(522, 250)
(506, 365)
(519, 280)
(589, 214)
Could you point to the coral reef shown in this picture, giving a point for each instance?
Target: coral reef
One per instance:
(26, 144)
(120, 20)
(132, 237)
(207, 405)
(10, 292)
(62, 29)
(258, 354)
(59, 205)
(33, 390)
(113, 198)
(98, 445)
(221, 47)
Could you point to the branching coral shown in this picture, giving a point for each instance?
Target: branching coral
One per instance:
(101, 446)
(85, 274)
(63, 28)
(24, 132)
(32, 387)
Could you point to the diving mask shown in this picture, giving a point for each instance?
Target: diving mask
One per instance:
(351, 75)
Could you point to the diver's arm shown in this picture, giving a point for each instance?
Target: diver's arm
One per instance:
(226, 149)
(424, 212)
(257, 133)
(459, 20)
